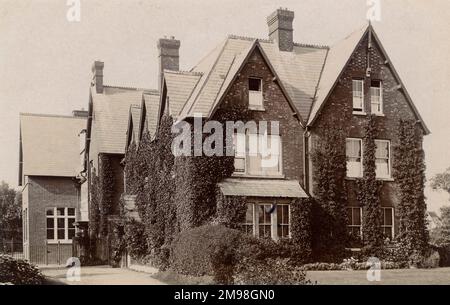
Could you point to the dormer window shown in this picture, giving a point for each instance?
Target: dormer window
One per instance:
(255, 96)
(358, 95)
(376, 97)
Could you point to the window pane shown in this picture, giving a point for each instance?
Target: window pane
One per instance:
(50, 223)
(388, 217)
(349, 216)
(50, 234)
(61, 223)
(60, 211)
(71, 233)
(71, 211)
(249, 213)
(70, 223)
(357, 216)
(382, 149)
(239, 165)
(49, 212)
(357, 86)
(254, 84)
(61, 234)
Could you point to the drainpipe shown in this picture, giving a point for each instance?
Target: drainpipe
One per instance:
(306, 135)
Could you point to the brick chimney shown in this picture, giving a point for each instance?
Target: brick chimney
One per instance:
(97, 78)
(280, 29)
(169, 56)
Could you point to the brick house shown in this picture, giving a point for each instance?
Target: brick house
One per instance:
(49, 161)
(303, 87)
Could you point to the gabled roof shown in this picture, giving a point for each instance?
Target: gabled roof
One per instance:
(298, 73)
(133, 124)
(337, 59)
(50, 145)
(149, 113)
(110, 111)
(180, 85)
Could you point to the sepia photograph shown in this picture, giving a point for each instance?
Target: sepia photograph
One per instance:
(209, 146)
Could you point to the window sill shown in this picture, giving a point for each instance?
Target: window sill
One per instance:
(61, 242)
(243, 175)
(378, 114)
(359, 112)
(387, 179)
(256, 108)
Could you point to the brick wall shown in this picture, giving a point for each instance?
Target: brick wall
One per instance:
(42, 193)
(276, 108)
(339, 106)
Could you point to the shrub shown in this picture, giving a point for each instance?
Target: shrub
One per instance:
(19, 272)
(193, 251)
(135, 238)
(250, 271)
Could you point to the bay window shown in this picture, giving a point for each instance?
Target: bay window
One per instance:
(267, 220)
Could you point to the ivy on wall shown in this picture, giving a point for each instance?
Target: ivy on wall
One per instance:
(329, 206)
(106, 191)
(368, 189)
(409, 173)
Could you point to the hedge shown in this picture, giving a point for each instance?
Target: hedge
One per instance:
(19, 272)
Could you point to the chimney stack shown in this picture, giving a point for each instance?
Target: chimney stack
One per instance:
(169, 56)
(281, 30)
(97, 79)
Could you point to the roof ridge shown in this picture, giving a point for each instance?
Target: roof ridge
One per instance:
(150, 92)
(126, 87)
(311, 45)
(267, 40)
(233, 36)
(183, 72)
(51, 115)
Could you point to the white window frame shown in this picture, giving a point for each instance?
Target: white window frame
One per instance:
(262, 173)
(379, 103)
(55, 218)
(354, 97)
(389, 176)
(393, 223)
(362, 157)
(361, 220)
(254, 95)
(273, 219)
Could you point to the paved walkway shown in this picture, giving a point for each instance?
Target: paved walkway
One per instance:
(100, 275)
(436, 276)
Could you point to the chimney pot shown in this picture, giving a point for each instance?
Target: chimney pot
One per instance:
(280, 29)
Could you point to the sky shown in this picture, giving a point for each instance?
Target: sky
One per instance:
(45, 60)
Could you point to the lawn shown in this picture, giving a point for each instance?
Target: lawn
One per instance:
(437, 276)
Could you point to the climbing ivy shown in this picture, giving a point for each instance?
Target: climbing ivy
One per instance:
(368, 189)
(409, 173)
(329, 206)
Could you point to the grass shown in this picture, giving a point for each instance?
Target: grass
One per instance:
(173, 278)
(436, 276)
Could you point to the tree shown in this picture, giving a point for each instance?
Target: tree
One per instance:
(442, 181)
(10, 213)
(441, 234)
